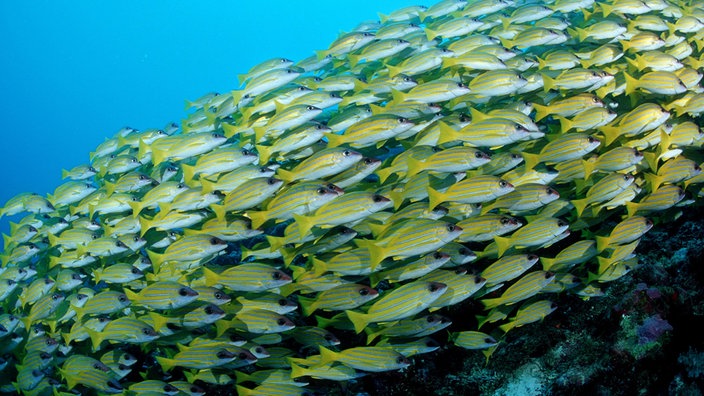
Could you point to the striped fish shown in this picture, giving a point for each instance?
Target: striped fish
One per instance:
(535, 233)
(162, 295)
(340, 298)
(603, 190)
(526, 287)
(529, 313)
(472, 190)
(374, 359)
(416, 236)
(370, 131)
(400, 303)
(627, 231)
(299, 198)
(252, 277)
(508, 268)
(324, 163)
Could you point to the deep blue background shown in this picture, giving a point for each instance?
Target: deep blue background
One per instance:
(73, 72)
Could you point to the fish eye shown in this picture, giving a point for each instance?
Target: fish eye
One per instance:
(400, 359)
(346, 153)
(209, 310)
(368, 161)
(120, 244)
(464, 251)
(289, 71)
(283, 302)
(328, 337)
(276, 275)
(503, 183)
(321, 191)
(363, 292)
(214, 241)
(378, 198)
(310, 108)
(242, 355)
(281, 321)
(437, 255)
(591, 139)
(451, 227)
(402, 120)
(182, 292)
(433, 287)
(97, 366)
(479, 154)
(122, 298)
(219, 295)
(56, 297)
(626, 177)
(561, 223)
(263, 169)
(407, 79)
(505, 220)
(44, 355)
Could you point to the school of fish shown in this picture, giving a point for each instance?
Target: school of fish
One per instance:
(314, 223)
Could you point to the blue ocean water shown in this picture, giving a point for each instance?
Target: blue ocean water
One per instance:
(75, 72)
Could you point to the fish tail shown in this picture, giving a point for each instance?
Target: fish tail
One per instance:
(376, 255)
(565, 124)
(308, 305)
(211, 278)
(275, 242)
(384, 173)
(258, 218)
(334, 139)
(159, 321)
(601, 243)
(414, 167)
(305, 223)
(430, 34)
(435, 198)
(319, 267)
(507, 326)
(606, 9)
(221, 326)
(189, 171)
(531, 160)
(654, 181)
(288, 255)
(359, 320)
(492, 302)
(541, 64)
(604, 264)
(395, 70)
(285, 175)
(156, 259)
(540, 111)
(589, 167)
(220, 211)
(503, 244)
(96, 338)
(632, 208)
(547, 263)
(298, 371)
(166, 363)
(631, 83)
(447, 133)
(580, 205)
(548, 83)
(397, 96)
(611, 133)
(265, 153)
(136, 208)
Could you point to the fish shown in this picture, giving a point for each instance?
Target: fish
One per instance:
(254, 251)
(401, 303)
